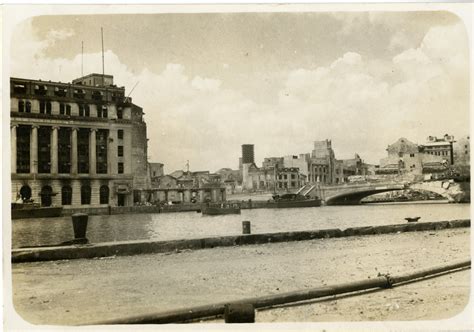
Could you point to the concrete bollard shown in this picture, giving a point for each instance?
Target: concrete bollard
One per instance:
(239, 313)
(246, 227)
(79, 224)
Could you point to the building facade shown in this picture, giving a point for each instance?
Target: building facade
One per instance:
(405, 157)
(79, 144)
(290, 179)
(156, 170)
(440, 147)
(187, 187)
(300, 161)
(462, 156)
(232, 180)
(322, 164)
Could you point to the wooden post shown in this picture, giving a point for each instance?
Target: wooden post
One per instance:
(246, 227)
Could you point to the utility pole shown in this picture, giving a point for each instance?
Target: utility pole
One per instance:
(82, 58)
(103, 66)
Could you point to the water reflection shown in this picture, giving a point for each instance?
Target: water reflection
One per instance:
(185, 225)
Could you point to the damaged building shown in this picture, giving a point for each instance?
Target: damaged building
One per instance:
(80, 144)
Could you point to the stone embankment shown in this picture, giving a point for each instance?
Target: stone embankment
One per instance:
(146, 247)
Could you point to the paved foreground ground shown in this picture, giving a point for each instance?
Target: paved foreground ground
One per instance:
(80, 291)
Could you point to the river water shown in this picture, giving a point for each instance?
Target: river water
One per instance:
(186, 225)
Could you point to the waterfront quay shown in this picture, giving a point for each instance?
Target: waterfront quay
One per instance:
(93, 290)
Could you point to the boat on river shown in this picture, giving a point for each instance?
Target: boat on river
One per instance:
(34, 210)
(292, 201)
(215, 209)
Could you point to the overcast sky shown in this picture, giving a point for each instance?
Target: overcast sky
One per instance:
(209, 83)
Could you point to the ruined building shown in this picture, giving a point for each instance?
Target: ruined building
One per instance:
(79, 144)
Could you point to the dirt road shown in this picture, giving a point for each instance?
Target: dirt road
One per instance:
(80, 291)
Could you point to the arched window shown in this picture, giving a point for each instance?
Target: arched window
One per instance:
(46, 196)
(62, 109)
(21, 106)
(66, 195)
(85, 195)
(68, 109)
(104, 195)
(48, 107)
(81, 110)
(28, 107)
(87, 111)
(25, 193)
(42, 107)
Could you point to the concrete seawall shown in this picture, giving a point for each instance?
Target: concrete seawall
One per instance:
(132, 209)
(128, 248)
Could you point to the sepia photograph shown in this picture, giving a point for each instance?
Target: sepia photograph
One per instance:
(220, 164)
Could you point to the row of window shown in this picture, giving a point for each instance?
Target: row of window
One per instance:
(320, 169)
(438, 153)
(285, 176)
(42, 90)
(66, 195)
(65, 109)
(43, 162)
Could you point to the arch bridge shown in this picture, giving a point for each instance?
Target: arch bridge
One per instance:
(353, 193)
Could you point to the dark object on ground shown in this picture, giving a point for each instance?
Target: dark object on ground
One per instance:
(79, 223)
(239, 313)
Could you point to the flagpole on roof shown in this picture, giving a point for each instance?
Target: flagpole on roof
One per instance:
(82, 58)
(103, 66)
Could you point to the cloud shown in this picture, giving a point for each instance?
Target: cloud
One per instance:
(362, 104)
(56, 35)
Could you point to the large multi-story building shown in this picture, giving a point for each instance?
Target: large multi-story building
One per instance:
(79, 144)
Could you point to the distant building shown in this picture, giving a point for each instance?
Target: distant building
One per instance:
(232, 179)
(248, 156)
(255, 178)
(356, 166)
(301, 162)
(273, 162)
(80, 144)
(156, 169)
(407, 157)
(188, 187)
(322, 164)
(289, 178)
(442, 147)
(462, 156)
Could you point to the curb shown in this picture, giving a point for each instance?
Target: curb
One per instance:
(129, 248)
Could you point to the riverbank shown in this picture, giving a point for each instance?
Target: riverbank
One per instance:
(78, 291)
(78, 251)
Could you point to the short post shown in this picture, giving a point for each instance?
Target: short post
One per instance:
(239, 313)
(246, 227)
(79, 224)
